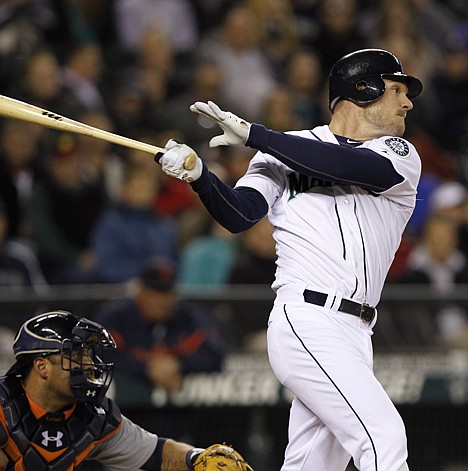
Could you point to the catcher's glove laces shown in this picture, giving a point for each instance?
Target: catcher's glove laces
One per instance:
(215, 458)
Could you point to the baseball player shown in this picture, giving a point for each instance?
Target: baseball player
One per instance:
(54, 413)
(339, 197)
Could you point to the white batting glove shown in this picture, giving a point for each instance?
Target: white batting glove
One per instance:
(236, 130)
(181, 161)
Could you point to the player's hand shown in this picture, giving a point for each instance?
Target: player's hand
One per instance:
(235, 130)
(180, 161)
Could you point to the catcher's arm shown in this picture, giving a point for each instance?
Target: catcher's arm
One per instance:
(175, 456)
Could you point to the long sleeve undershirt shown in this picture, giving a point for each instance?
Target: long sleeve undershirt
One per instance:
(237, 209)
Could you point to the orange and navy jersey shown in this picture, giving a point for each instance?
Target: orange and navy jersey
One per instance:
(34, 439)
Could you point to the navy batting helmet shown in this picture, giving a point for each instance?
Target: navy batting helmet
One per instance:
(81, 343)
(358, 76)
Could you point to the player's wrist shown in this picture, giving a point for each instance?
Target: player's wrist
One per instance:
(192, 455)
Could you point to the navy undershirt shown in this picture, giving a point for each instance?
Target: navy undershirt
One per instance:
(239, 208)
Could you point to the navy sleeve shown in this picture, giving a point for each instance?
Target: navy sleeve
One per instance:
(327, 161)
(155, 460)
(237, 209)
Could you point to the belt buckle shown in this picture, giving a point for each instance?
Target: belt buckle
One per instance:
(361, 312)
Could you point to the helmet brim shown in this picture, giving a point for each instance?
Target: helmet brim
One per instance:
(414, 85)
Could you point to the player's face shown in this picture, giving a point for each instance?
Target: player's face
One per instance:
(156, 306)
(60, 377)
(387, 115)
(59, 380)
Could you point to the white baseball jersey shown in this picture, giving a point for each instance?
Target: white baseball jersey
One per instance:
(336, 239)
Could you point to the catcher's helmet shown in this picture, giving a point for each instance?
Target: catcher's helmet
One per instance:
(82, 345)
(358, 76)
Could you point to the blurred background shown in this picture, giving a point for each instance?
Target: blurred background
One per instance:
(80, 218)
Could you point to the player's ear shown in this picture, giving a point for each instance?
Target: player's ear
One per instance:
(41, 366)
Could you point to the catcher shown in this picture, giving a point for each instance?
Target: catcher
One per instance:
(54, 413)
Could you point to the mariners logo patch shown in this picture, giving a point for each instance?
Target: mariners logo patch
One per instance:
(399, 146)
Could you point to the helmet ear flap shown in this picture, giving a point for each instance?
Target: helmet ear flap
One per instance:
(368, 89)
(361, 91)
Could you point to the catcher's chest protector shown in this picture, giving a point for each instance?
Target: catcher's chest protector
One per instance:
(55, 442)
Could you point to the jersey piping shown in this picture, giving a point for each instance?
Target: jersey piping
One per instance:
(335, 386)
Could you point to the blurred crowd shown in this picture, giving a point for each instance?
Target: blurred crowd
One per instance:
(79, 210)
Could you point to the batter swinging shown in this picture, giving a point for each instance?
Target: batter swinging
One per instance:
(339, 197)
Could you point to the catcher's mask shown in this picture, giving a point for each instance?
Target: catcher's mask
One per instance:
(83, 346)
(358, 77)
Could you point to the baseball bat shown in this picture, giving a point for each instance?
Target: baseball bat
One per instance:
(19, 110)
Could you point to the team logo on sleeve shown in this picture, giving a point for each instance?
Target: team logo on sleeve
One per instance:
(399, 146)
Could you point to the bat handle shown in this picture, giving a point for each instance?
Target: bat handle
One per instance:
(189, 163)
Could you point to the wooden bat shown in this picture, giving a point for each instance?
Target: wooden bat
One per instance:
(19, 110)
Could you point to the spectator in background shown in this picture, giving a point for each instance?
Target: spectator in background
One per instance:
(206, 85)
(156, 57)
(19, 265)
(255, 264)
(235, 47)
(437, 261)
(159, 338)
(277, 29)
(438, 195)
(439, 165)
(256, 259)
(339, 31)
(279, 110)
(126, 235)
(304, 78)
(82, 73)
(450, 201)
(235, 161)
(19, 144)
(127, 105)
(24, 25)
(40, 84)
(62, 210)
(397, 26)
(82, 21)
(451, 100)
(154, 74)
(100, 164)
(173, 17)
(208, 258)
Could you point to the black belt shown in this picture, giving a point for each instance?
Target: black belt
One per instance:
(363, 311)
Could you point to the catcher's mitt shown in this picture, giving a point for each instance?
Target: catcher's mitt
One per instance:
(220, 457)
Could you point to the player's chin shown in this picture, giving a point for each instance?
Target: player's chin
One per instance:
(400, 132)
(397, 128)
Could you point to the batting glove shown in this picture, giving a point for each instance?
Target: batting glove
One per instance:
(236, 130)
(180, 161)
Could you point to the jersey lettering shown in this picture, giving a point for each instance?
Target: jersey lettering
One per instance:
(299, 183)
